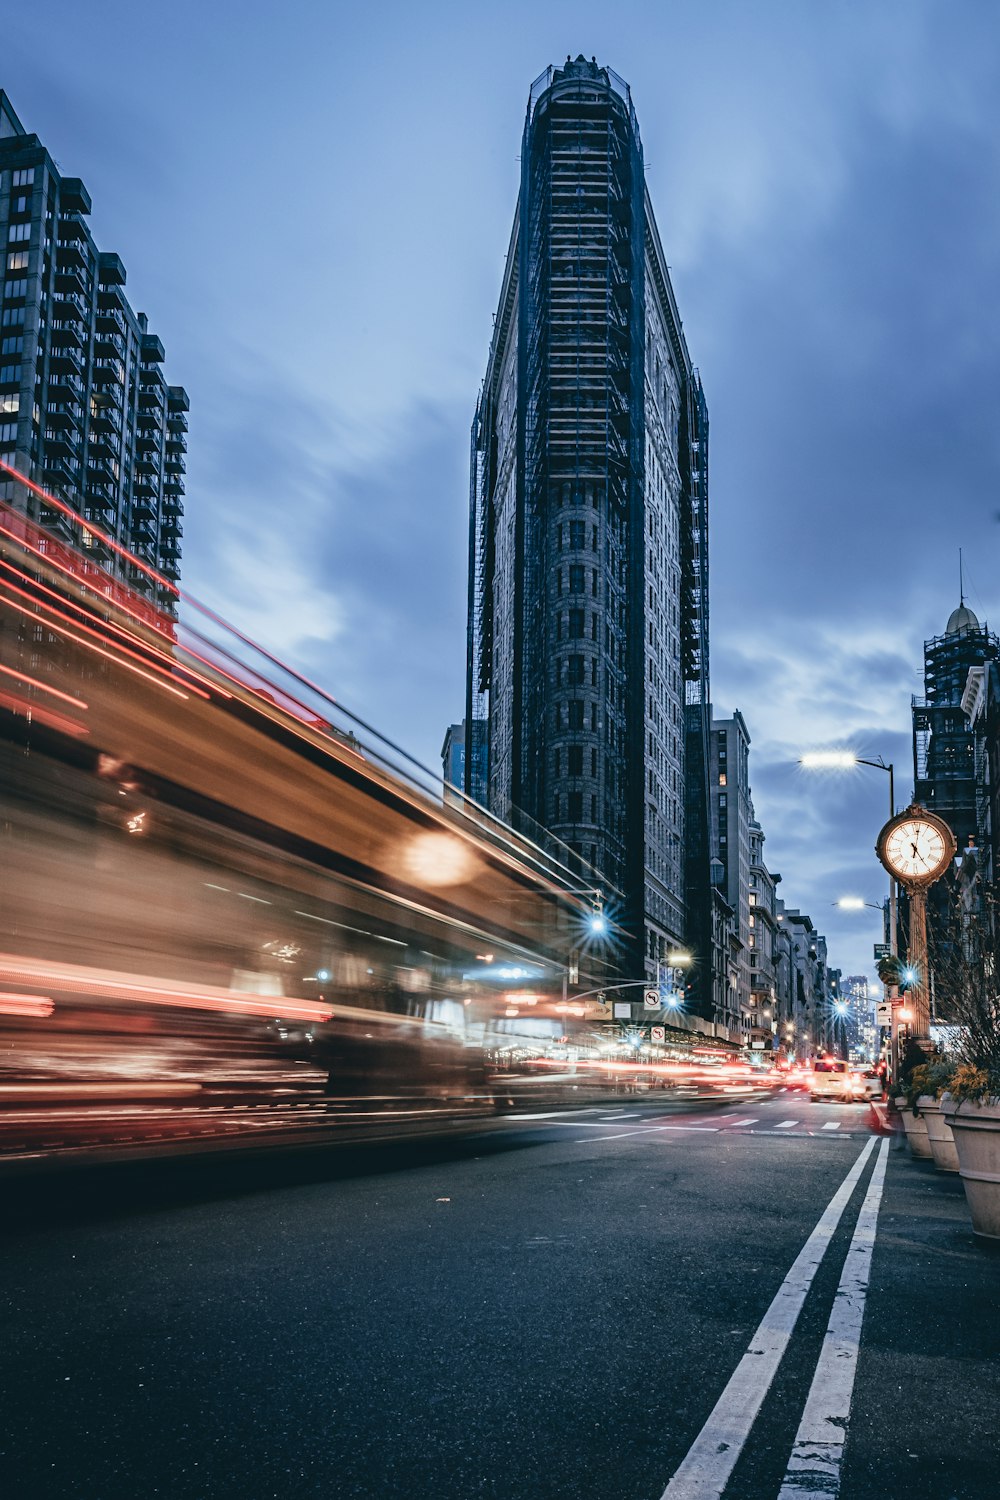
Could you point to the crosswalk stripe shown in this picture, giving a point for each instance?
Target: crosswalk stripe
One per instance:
(742, 1122)
(786, 1124)
(832, 1125)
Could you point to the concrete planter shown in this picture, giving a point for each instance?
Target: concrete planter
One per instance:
(976, 1128)
(916, 1130)
(939, 1136)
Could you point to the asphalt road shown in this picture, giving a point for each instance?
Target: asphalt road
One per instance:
(548, 1309)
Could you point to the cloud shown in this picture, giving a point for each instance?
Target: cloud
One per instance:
(341, 549)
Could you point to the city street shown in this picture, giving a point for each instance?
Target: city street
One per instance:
(550, 1307)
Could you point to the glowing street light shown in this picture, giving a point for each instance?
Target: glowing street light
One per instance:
(852, 903)
(846, 760)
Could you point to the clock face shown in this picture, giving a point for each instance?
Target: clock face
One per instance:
(916, 850)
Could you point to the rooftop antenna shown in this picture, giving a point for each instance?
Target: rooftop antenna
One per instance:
(961, 579)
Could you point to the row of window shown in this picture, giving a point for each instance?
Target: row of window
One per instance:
(569, 807)
(576, 580)
(19, 232)
(574, 761)
(17, 260)
(576, 536)
(23, 177)
(9, 374)
(576, 625)
(18, 288)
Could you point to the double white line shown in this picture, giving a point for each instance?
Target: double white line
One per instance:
(815, 1461)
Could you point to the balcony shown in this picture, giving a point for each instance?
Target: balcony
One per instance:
(68, 334)
(60, 444)
(176, 421)
(178, 399)
(150, 398)
(109, 345)
(108, 372)
(64, 415)
(151, 350)
(72, 228)
(59, 473)
(70, 303)
(174, 466)
(147, 444)
(67, 361)
(104, 445)
(73, 196)
(110, 298)
(70, 259)
(104, 418)
(100, 473)
(144, 503)
(65, 384)
(110, 271)
(110, 320)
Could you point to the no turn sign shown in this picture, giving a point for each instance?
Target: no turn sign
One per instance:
(651, 999)
(658, 1033)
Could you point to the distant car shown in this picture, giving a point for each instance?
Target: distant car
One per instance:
(868, 1083)
(832, 1079)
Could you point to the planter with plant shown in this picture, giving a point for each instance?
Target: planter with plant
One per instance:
(971, 1107)
(926, 1085)
(969, 978)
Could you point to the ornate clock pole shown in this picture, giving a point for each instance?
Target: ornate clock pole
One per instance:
(916, 847)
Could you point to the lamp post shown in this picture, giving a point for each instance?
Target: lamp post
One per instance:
(844, 760)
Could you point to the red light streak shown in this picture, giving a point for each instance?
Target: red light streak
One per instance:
(43, 715)
(34, 682)
(88, 576)
(109, 655)
(78, 520)
(108, 625)
(38, 1006)
(110, 985)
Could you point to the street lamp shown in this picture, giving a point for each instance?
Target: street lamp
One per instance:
(845, 760)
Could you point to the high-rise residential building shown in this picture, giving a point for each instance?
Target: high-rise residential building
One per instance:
(588, 592)
(85, 411)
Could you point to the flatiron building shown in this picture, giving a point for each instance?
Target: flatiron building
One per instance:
(588, 540)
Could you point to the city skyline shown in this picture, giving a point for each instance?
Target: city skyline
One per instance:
(828, 235)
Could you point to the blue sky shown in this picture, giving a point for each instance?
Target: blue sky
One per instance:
(313, 202)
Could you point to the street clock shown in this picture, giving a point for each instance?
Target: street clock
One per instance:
(916, 847)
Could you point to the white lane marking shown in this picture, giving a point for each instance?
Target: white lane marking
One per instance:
(813, 1471)
(786, 1124)
(832, 1125)
(705, 1471)
(629, 1114)
(742, 1122)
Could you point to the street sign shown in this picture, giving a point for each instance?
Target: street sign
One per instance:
(659, 1033)
(883, 1014)
(651, 999)
(882, 950)
(757, 1046)
(623, 1010)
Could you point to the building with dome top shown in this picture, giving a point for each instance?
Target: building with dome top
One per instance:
(943, 751)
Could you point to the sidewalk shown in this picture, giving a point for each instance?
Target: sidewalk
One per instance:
(925, 1422)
